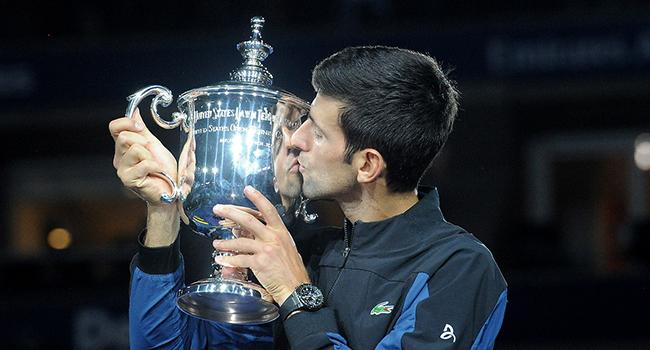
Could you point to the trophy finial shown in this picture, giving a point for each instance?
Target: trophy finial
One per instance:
(254, 51)
(257, 23)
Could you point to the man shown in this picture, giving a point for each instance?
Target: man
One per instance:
(402, 276)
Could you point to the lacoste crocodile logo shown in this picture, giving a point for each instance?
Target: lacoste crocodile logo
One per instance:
(381, 308)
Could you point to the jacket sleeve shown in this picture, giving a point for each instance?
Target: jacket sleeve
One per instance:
(156, 322)
(314, 330)
(459, 306)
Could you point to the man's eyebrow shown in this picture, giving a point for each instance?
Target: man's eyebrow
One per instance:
(314, 121)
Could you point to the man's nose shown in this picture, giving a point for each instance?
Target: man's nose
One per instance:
(297, 140)
(288, 144)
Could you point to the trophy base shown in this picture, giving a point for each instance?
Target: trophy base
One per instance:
(226, 300)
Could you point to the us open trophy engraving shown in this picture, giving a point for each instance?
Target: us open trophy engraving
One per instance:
(230, 135)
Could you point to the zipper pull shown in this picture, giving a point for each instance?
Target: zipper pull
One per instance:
(346, 251)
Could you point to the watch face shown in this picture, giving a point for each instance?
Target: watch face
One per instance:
(310, 296)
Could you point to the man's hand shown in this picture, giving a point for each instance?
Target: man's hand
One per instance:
(271, 255)
(139, 157)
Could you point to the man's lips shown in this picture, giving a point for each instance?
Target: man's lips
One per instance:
(294, 167)
(301, 167)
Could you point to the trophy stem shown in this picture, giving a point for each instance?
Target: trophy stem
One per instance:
(232, 273)
(227, 295)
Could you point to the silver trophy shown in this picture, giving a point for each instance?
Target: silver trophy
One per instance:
(231, 134)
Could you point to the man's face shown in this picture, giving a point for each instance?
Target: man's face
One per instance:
(321, 143)
(288, 181)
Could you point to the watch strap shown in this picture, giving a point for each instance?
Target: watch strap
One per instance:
(290, 305)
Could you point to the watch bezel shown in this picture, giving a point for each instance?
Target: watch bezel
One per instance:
(310, 296)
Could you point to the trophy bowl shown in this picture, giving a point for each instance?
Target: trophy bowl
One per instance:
(230, 136)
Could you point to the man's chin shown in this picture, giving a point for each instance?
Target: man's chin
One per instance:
(309, 193)
(293, 189)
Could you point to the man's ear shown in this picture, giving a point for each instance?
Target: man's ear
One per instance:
(370, 165)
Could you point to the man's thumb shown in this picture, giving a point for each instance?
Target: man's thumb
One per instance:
(139, 123)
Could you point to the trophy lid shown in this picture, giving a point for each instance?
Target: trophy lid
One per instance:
(251, 77)
(254, 51)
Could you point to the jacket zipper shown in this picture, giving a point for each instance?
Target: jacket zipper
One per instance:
(347, 241)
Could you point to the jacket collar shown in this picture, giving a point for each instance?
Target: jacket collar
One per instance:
(425, 212)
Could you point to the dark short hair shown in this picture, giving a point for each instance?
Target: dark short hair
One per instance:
(397, 101)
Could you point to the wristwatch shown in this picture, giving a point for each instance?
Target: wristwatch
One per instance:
(306, 297)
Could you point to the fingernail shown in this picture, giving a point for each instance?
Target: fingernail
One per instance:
(215, 243)
(138, 126)
(217, 207)
(250, 189)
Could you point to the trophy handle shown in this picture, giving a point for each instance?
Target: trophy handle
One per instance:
(163, 96)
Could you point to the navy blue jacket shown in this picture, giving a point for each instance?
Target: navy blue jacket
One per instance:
(413, 281)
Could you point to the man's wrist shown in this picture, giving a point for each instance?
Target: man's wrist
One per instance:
(163, 224)
(306, 297)
(282, 298)
(157, 260)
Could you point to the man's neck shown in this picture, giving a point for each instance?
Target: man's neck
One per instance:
(370, 206)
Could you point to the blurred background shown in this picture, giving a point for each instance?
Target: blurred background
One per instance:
(548, 163)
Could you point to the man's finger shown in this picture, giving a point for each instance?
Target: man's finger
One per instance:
(116, 126)
(238, 245)
(142, 169)
(268, 210)
(235, 260)
(247, 221)
(135, 154)
(125, 140)
(251, 211)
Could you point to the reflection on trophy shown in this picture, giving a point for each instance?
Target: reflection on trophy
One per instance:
(232, 136)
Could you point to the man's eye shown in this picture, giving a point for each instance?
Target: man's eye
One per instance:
(293, 125)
